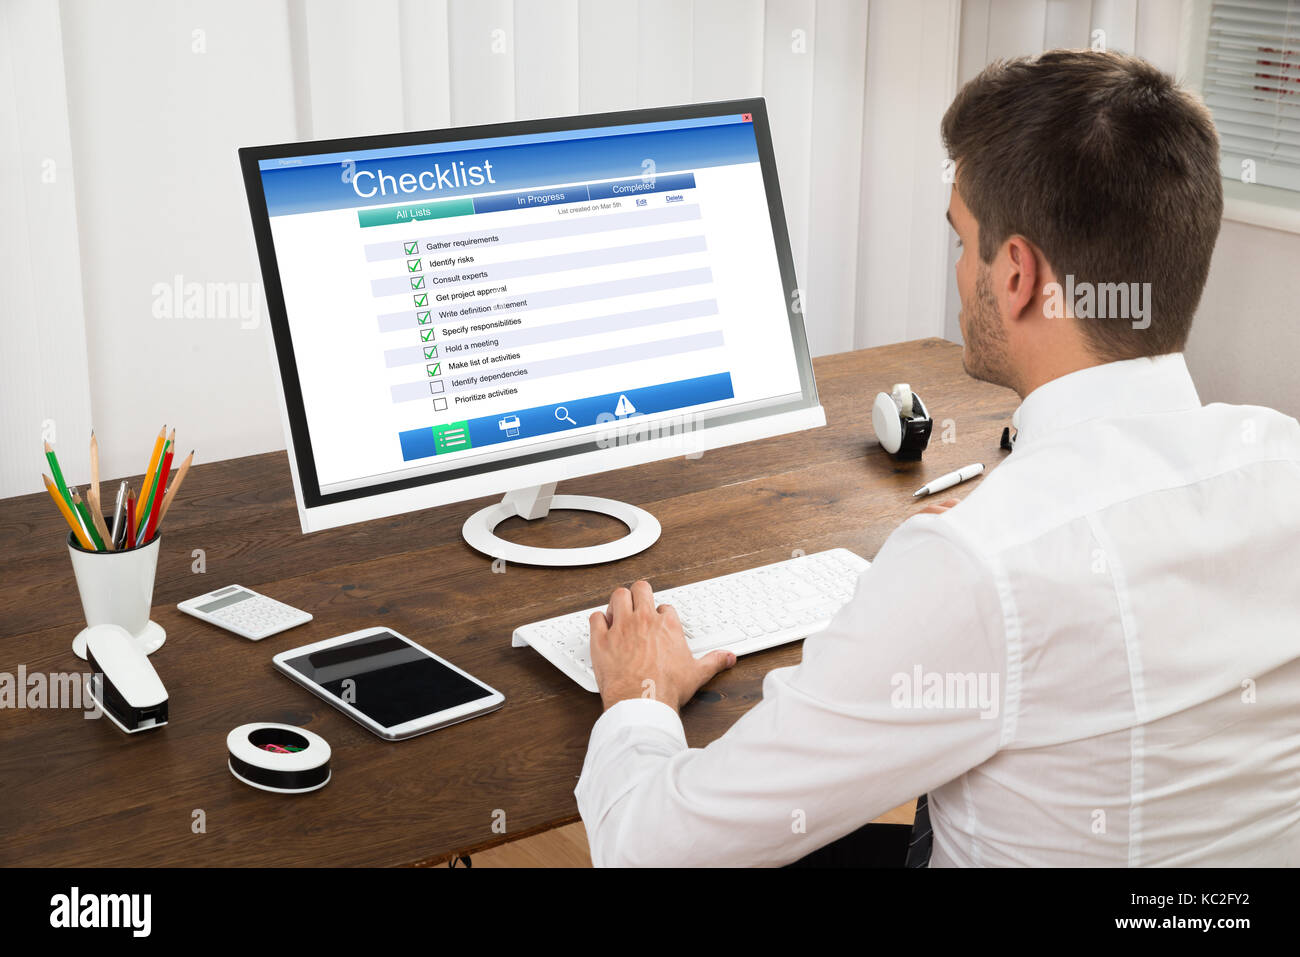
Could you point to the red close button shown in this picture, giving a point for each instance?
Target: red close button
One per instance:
(746, 118)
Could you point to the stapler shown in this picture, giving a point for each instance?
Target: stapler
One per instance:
(123, 682)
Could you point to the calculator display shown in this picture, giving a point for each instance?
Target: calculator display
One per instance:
(212, 606)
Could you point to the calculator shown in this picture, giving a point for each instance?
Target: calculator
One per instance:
(245, 612)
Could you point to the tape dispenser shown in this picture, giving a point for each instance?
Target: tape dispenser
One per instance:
(901, 422)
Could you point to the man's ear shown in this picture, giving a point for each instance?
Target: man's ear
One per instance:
(1021, 285)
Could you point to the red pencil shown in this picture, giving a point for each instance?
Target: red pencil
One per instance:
(163, 471)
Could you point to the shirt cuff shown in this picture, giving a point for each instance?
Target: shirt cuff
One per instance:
(636, 712)
(633, 736)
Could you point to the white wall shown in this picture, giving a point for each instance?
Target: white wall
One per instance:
(160, 94)
(1245, 342)
(44, 390)
(911, 78)
(156, 113)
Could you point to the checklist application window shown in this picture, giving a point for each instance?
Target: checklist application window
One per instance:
(483, 298)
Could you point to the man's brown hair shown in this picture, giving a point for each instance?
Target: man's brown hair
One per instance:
(1105, 165)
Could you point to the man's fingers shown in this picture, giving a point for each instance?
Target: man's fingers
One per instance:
(620, 603)
(643, 597)
(670, 613)
(714, 662)
(599, 626)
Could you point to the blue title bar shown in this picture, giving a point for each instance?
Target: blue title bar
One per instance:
(404, 179)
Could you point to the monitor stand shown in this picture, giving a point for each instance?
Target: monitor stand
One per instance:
(536, 502)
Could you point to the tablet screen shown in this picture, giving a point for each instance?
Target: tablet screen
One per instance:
(389, 680)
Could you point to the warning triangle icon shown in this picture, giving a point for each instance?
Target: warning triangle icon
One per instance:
(624, 407)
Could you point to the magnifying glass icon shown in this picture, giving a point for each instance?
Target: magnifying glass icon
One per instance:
(563, 415)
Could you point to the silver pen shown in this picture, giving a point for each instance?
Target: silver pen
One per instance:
(118, 531)
(949, 480)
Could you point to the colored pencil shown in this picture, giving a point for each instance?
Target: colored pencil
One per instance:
(85, 518)
(62, 486)
(66, 511)
(176, 484)
(155, 507)
(92, 495)
(154, 459)
(137, 513)
(57, 472)
(147, 492)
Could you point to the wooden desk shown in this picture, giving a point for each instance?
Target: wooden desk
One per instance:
(79, 792)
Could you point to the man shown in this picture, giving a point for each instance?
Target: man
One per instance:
(1107, 629)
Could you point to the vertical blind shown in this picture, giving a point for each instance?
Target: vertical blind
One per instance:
(1252, 85)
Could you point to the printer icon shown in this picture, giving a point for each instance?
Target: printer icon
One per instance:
(509, 425)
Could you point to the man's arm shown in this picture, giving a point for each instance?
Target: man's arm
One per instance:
(885, 706)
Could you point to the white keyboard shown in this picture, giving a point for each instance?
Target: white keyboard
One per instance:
(743, 612)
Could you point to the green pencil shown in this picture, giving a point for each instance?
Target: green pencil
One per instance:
(62, 486)
(85, 520)
(58, 474)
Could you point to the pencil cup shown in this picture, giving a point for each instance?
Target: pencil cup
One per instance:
(116, 588)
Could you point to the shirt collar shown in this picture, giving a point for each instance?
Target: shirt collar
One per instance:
(1128, 387)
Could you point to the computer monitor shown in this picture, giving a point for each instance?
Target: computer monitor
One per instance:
(494, 309)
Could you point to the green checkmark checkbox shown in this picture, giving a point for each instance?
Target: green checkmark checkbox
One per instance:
(417, 282)
(422, 318)
(422, 299)
(413, 265)
(411, 248)
(426, 335)
(431, 352)
(434, 368)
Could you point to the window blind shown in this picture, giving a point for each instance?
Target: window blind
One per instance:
(1252, 86)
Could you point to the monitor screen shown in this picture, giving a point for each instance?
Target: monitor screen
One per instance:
(442, 307)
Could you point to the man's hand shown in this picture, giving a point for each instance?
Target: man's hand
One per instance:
(640, 651)
(938, 508)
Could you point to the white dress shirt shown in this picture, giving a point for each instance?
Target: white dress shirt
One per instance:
(1124, 590)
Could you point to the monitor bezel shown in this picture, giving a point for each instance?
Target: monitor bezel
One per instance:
(569, 461)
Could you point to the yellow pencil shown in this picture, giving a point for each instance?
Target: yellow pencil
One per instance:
(176, 484)
(148, 473)
(92, 495)
(67, 513)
